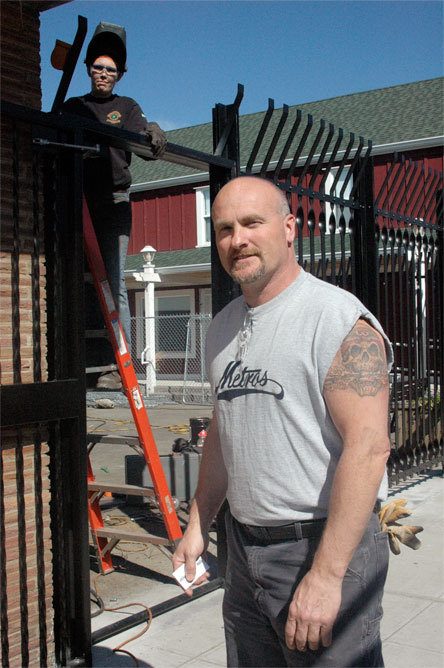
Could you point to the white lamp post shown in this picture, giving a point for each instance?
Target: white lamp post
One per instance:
(149, 278)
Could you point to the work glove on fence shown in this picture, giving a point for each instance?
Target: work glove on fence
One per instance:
(398, 533)
(156, 139)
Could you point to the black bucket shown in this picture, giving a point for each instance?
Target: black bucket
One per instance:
(196, 426)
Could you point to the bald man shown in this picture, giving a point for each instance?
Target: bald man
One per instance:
(298, 445)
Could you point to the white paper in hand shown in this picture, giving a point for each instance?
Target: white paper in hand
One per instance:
(179, 573)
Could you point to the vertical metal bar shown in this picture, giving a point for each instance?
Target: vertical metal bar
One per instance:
(35, 272)
(23, 570)
(71, 62)
(427, 337)
(356, 173)
(401, 194)
(274, 141)
(58, 532)
(320, 162)
(397, 168)
(300, 223)
(51, 257)
(430, 199)
(331, 159)
(311, 223)
(323, 259)
(4, 622)
(342, 163)
(73, 432)
(294, 162)
(419, 173)
(288, 144)
(260, 136)
(397, 363)
(223, 287)
(39, 541)
(15, 259)
(408, 294)
(332, 230)
(364, 245)
(312, 152)
(402, 345)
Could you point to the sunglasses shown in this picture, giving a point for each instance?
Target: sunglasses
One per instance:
(101, 68)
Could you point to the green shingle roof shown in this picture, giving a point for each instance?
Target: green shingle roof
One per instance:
(193, 256)
(386, 115)
(176, 258)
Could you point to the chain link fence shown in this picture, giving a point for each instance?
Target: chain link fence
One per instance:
(168, 353)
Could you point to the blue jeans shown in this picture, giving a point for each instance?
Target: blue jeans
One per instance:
(112, 223)
(259, 586)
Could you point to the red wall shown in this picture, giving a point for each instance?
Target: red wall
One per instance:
(164, 219)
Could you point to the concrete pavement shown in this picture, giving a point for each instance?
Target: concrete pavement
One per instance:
(192, 635)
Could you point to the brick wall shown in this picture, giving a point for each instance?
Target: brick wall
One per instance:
(20, 83)
(39, 607)
(20, 63)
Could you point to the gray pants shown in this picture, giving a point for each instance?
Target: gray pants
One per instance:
(260, 583)
(112, 224)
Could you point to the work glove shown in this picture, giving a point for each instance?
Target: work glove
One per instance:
(156, 139)
(398, 533)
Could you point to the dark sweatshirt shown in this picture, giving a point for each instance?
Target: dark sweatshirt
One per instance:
(110, 173)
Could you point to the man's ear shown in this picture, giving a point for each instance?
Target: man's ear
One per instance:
(88, 71)
(119, 76)
(290, 228)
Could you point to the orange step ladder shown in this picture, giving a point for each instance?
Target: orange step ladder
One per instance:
(106, 539)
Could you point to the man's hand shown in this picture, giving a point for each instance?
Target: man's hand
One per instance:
(313, 611)
(190, 548)
(156, 138)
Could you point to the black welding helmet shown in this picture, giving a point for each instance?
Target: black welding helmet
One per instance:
(108, 40)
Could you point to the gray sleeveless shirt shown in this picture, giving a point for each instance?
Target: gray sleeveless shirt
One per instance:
(267, 367)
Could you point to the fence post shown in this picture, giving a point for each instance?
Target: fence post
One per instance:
(363, 240)
(226, 143)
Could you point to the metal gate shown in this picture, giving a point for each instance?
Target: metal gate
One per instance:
(385, 245)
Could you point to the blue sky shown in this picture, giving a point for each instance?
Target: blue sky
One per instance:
(184, 56)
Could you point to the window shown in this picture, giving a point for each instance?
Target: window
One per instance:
(173, 310)
(336, 210)
(205, 301)
(203, 216)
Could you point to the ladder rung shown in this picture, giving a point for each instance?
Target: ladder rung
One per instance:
(97, 369)
(131, 536)
(133, 490)
(111, 439)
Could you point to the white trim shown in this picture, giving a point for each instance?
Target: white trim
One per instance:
(202, 194)
(377, 149)
(181, 269)
(169, 182)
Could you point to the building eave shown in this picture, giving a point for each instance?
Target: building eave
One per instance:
(377, 149)
(179, 269)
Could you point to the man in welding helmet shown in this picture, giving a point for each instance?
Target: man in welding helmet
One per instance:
(107, 177)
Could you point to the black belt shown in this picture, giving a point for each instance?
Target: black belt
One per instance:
(284, 532)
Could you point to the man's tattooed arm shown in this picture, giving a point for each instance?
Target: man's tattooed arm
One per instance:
(360, 364)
